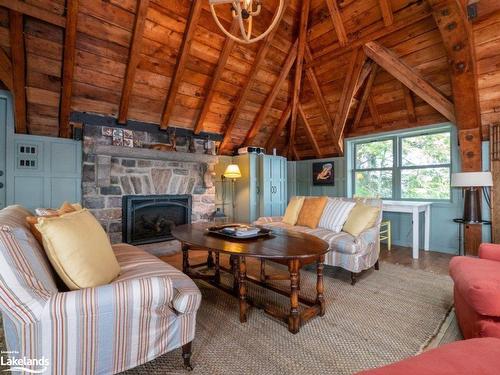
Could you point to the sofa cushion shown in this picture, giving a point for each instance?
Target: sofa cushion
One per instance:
(335, 214)
(293, 210)
(476, 356)
(311, 212)
(478, 282)
(361, 218)
(79, 249)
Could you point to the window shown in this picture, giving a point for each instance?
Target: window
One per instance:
(414, 167)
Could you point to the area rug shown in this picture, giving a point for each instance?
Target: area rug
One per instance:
(387, 316)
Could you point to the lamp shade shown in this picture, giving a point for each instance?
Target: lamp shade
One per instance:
(232, 171)
(470, 179)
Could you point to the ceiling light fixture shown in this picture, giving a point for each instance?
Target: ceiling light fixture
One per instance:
(244, 11)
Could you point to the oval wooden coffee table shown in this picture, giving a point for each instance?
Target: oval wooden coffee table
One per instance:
(291, 248)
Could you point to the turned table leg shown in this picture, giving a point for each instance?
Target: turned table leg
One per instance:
(263, 270)
(233, 259)
(217, 267)
(185, 258)
(320, 289)
(294, 317)
(242, 274)
(210, 259)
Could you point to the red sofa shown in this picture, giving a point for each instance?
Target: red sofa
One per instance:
(475, 356)
(477, 292)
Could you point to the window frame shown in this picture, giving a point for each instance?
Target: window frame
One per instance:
(398, 167)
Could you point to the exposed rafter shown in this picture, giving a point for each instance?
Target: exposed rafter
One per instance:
(240, 102)
(18, 69)
(309, 133)
(386, 9)
(6, 70)
(338, 24)
(180, 66)
(33, 11)
(313, 81)
(366, 94)
(297, 82)
(68, 68)
(411, 78)
(365, 72)
(372, 106)
(261, 116)
(285, 116)
(133, 59)
(373, 33)
(356, 63)
(221, 65)
(410, 105)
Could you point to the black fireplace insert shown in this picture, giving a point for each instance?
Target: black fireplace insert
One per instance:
(151, 218)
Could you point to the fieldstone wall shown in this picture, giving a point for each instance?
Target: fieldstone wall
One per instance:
(107, 178)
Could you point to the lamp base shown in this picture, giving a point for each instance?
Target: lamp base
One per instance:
(472, 205)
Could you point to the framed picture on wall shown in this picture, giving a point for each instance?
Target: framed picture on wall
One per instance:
(323, 174)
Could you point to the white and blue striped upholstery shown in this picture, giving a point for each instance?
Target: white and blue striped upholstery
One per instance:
(147, 311)
(335, 214)
(354, 254)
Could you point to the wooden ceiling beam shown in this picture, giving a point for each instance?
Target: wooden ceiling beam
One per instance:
(133, 59)
(410, 105)
(245, 91)
(330, 52)
(285, 116)
(411, 78)
(356, 63)
(387, 14)
(313, 81)
(182, 57)
(6, 70)
(221, 65)
(366, 94)
(261, 116)
(338, 24)
(458, 42)
(18, 70)
(297, 82)
(68, 68)
(372, 106)
(33, 11)
(309, 133)
(365, 72)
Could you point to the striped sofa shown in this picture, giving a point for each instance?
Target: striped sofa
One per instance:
(148, 310)
(354, 254)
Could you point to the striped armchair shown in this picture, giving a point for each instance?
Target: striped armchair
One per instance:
(148, 310)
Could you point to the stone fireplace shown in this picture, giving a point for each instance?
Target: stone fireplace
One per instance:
(151, 218)
(111, 173)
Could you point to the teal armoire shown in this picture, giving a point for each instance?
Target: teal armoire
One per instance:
(262, 188)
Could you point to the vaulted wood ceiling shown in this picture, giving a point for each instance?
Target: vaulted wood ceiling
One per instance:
(331, 69)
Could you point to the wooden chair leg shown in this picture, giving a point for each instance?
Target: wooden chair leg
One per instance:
(353, 278)
(186, 355)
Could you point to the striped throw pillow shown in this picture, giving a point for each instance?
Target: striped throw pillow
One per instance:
(335, 214)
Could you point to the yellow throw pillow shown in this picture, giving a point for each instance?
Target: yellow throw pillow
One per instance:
(311, 212)
(362, 217)
(78, 249)
(293, 210)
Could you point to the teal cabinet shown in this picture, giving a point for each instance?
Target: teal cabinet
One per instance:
(273, 182)
(247, 189)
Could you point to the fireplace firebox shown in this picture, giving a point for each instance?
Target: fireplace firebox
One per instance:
(151, 218)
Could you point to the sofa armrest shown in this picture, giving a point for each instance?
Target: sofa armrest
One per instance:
(369, 236)
(152, 295)
(489, 251)
(268, 219)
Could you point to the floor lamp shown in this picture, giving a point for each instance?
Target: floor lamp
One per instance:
(472, 183)
(233, 172)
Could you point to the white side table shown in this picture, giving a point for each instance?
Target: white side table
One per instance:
(413, 208)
